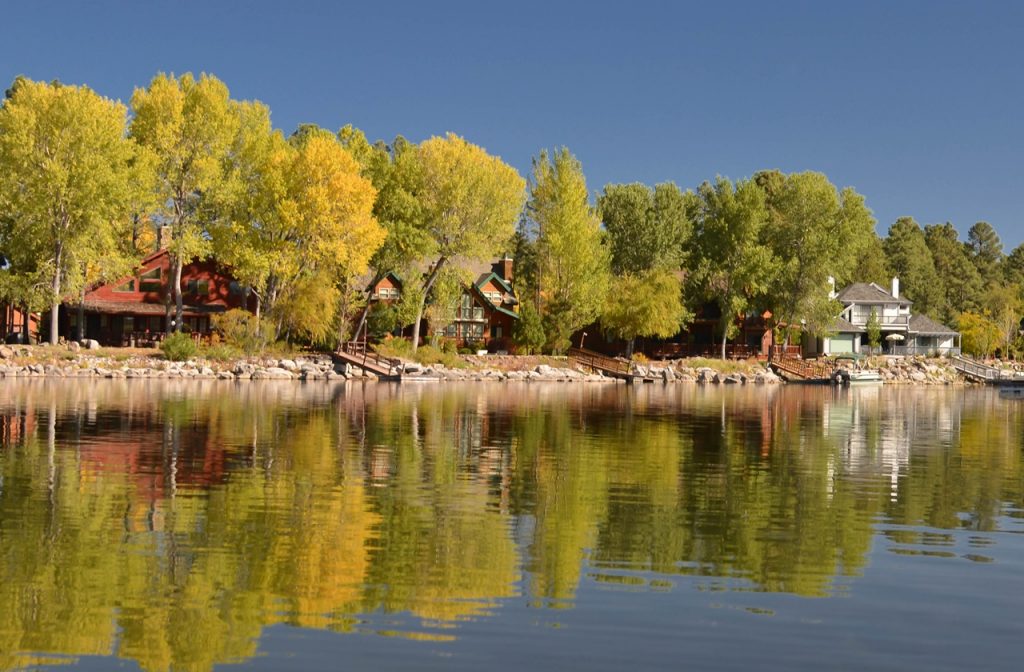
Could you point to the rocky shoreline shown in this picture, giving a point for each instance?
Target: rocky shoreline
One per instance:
(72, 362)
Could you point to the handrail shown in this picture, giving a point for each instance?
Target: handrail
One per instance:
(599, 362)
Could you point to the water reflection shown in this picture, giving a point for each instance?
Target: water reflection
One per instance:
(171, 522)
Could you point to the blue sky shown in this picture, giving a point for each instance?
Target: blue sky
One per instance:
(918, 105)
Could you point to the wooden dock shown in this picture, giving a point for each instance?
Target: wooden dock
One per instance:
(358, 354)
(612, 367)
(983, 373)
(795, 370)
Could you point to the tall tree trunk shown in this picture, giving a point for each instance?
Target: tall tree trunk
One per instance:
(81, 316)
(178, 303)
(423, 301)
(725, 338)
(629, 348)
(58, 252)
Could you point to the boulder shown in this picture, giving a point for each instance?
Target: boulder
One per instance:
(6, 352)
(89, 344)
(288, 365)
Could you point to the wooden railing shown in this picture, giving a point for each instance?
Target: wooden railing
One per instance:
(805, 369)
(598, 362)
(972, 369)
(360, 355)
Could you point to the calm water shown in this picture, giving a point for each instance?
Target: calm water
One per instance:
(154, 525)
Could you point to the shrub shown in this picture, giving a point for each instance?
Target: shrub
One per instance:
(241, 330)
(221, 352)
(178, 347)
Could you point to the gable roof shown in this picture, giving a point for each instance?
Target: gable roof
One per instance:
(842, 326)
(486, 277)
(487, 303)
(922, 324)
(864, 292)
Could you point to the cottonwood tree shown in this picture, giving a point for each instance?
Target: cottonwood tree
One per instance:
(729, 263)
(647, 228)
(815, 232)
(470, 203)
(190, 126)
(571, 262)
(644, 304)
(66, 184)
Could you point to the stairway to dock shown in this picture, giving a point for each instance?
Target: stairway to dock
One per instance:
(983, 373)
(356, 353)
(612, 367)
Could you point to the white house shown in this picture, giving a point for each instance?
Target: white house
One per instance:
(903, 332)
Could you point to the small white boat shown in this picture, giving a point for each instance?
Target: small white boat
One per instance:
(862, 376)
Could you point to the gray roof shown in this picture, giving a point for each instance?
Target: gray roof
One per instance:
(922, 324)
(863, 292)
(843, 327)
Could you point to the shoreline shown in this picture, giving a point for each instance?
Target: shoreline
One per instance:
(43, 361)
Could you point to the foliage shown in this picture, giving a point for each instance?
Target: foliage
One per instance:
(647, 228)
(979, 332)
(189, 125)
(649, 304)
(241, 330)
(815, 232)
(528, 333)
(1003, 303)
(910, 260)
(729, 263)
(874, 329)
(986, 251)
(221, 352)
(308, 309)
(956, 273)
(178, 347)
(571, 271)
(67, 184)
(470, 203)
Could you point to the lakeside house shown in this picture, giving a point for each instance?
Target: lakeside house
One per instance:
(133, 310)
(903, 332)
(487, 310)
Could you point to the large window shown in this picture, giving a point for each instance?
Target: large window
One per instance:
(199, 287)
(126, 287)
(150, 281)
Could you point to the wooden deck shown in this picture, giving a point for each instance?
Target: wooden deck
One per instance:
(358, 354)
(595, 361)
(793, 369)
(983, 373)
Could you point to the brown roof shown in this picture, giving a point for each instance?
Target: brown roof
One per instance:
(864, 292)
(922, 324)
(137, 308)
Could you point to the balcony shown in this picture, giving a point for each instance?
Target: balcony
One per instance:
(861, 320)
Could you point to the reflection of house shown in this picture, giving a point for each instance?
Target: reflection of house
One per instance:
(486, 312)
(902, 332)
(133, 310)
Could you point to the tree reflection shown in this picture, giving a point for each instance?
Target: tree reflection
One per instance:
(170, 523)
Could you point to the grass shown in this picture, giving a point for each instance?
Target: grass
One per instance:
(724, 365)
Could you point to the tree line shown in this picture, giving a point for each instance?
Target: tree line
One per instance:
(310, 222)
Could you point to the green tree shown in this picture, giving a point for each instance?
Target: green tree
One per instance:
(190, 125)
(729, 263)
(874, 329)
(815, 232)
(980, 334)
(1003, 303)
(986, 251)
(956, 274)
(649, 304)
(66, 187)
(647, 228)
(470, 203)
(528, 332)
(572, 263)
(1014, 266)
(910, 260)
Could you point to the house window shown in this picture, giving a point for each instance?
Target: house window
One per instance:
(387, 293)
(473, 331)
(126, 287)
(199, 287)
(497, 331)
(451, 331)
(237, 289)
(493, 297)
(150, 281)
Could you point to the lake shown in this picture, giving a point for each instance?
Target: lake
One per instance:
(190, 525)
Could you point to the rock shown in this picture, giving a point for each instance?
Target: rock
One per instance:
(225, 375)
(918, 376)
(89, 344)
(74, 346)
(668, 375)
(6, 352)
(288, 365)
(334, 375)
(733, 379)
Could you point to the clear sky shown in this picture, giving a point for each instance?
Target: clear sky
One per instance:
(918, 105)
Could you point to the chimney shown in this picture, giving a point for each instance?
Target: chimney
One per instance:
(163, 237)
(506, 268)
(895, 288)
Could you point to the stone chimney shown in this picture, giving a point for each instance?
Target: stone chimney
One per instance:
(895, 288)
(163, 237)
